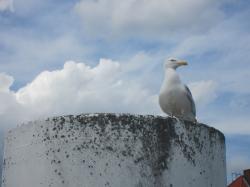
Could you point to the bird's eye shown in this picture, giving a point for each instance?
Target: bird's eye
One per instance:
(172, 60)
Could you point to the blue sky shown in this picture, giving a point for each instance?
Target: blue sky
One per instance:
(83, 45)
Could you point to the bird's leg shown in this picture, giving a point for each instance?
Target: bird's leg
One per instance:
(173, 116)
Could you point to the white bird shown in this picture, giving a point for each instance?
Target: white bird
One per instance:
(175, 98)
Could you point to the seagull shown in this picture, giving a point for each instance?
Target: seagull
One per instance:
(175, 98)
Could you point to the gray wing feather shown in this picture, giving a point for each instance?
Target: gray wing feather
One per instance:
(190, 98)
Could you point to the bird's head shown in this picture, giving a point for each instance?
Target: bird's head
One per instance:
(174, 63)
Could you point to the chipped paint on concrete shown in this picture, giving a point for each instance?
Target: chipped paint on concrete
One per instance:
(114, 150)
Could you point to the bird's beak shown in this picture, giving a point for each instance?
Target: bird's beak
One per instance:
(182, 63)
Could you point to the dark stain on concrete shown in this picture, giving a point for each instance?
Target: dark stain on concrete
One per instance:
(155, 133)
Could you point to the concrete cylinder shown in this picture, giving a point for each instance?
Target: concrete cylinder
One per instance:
(111, 150)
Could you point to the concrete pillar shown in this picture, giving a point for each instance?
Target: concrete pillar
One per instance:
(109, 150)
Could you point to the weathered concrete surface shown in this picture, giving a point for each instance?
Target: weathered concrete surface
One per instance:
(98, 150)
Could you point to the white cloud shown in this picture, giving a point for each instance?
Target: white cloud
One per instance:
(26, 8)
(107, 87)
(148, 18)
(229, 38)
(5, 82)
(234, 124)
(6, 97)
(38, 53)
(10, 110)
(6, 5)
(222, 53)
(203, 92)
(77, 88)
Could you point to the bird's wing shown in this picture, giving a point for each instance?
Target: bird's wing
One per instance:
(190, 98)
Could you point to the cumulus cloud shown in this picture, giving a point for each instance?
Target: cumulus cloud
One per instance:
(6, 5)
(148, 18)
(229, 38)
(10, 110)
(76, 88)
(223, 51)
(204, 92)
(5, 82)
(106, 87)
(45, 51)
(234, 124)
